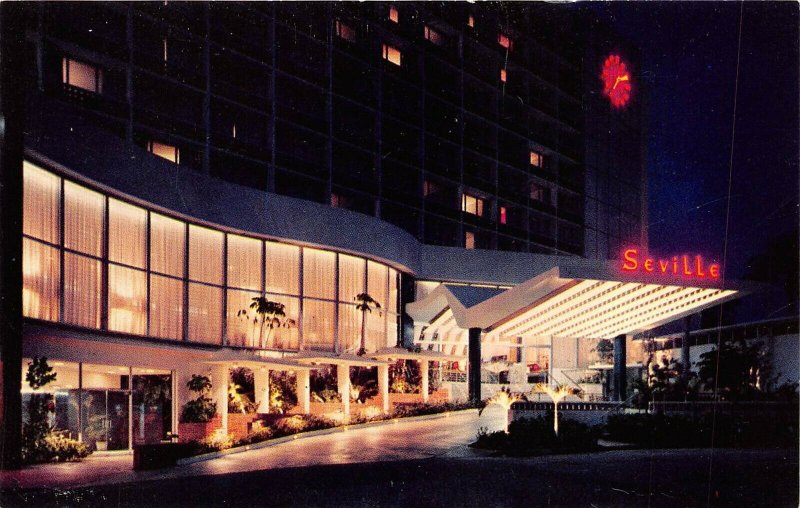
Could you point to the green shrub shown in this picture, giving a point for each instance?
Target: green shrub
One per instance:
(63, 449)
(300, 423)
(424, 408)
(215, 443)
(256, 436)
(202, 409)
(533, 435)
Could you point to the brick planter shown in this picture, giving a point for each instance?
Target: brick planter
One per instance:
(198, 431)
(240, 424)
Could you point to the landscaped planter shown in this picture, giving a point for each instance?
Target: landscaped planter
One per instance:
(198, 431)
(240, 424)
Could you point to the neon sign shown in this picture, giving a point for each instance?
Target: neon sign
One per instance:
(686, 265)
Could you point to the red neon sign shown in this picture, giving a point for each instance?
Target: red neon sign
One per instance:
(686, 265)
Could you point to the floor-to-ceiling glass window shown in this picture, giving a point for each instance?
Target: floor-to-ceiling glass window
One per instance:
(151, 393)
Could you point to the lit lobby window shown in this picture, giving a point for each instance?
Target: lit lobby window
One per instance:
(536, 159)
(169, 152)
(345, 32)
(81, 75)
(472, 204)
(394, 15)
(469, 240)
(434, 36)
(392, 54)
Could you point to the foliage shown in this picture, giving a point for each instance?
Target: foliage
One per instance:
(257, 436)
(96, 430)
(300, 423)
(363, 384)
(406, 377)
(55, 446)
(202, 409)
(503, 398)
(595, 378)
(216, 443)
(604, 350)
(156, 389)
(282, 393)
(324, 387)
(536, 435)
(424, 408)
(743, 373)
(365, 303)
(326, 395)
(40, 373)
(268, 314)
(239, 402)
(739, 430)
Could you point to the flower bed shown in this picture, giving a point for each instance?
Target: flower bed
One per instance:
(535, 436)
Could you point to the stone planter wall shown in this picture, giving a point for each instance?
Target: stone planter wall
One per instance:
(239, 424)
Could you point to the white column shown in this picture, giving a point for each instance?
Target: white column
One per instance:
(343, 379)
(261, 383)
(383, 385)
(219, 391)
(304, 390)
(423, 366)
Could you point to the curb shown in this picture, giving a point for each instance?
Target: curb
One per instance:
(303, 435)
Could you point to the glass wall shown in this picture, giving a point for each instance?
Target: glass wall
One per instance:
(96, 261)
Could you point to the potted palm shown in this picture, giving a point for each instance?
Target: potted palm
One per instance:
(269, 315)
(365, 303)
(198, 418)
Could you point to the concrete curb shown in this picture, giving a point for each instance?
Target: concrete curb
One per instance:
(313, 433)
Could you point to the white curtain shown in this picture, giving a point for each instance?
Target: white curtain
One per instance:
(41, 201)
(166, 307)
(127, 300)
(167, 238)
(205, 314)
(376, 282)
(205, 254)
(283, 268)
(376, 330)
(318, 324)
(349, 328)
(241, 329)
(244, 262)
(351, 277)
(285, 337)
(127, 230)
(81, 290)
(83, 219)
(391, 302)
(318, 273)
(40, 275)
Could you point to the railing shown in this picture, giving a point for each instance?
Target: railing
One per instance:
(454, 376)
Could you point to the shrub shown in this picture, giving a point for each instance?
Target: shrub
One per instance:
(536, 435)
(424, 408)
(300, 423)
(215, 443)
(256, 436)
(202, 409)
(62, 448)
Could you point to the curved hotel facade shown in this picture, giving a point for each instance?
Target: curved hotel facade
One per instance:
(457, 165)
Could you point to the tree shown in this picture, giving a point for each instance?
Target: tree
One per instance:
(737, 371)
(365, 303)
(269, 314)
(604, 350)
(202, 409)
(37, 428)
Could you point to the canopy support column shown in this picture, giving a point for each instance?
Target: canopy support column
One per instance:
(620, 374)
(261, 383)
(343, 379)
(383, 386)
(474, 373)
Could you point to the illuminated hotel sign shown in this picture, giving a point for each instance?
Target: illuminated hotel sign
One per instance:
(686, 265)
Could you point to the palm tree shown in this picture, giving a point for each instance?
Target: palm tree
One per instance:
(504, 398)
(273, 315)
(365, 303)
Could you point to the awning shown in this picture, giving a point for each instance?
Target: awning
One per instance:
(399, 353)
(551, 305)
(326, 358)
(251, 360)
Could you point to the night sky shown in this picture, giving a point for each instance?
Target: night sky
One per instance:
(689, 53)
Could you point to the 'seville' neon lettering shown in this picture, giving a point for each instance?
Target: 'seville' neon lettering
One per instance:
(685, 265)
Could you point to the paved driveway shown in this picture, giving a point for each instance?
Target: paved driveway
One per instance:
(440, 437)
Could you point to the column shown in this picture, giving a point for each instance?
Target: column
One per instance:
(383, 386)
(474, 372)
(219, 392)
(261, 383)
(423, 367)
(343, 378)
(685, 358)
(620, 374)
(304, 390)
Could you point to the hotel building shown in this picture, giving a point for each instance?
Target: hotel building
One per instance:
(463, 164)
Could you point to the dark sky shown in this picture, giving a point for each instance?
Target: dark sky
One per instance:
(689, 53)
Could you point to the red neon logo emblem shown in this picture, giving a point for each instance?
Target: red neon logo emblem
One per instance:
(686, 265)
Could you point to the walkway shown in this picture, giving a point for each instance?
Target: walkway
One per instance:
(441, 437)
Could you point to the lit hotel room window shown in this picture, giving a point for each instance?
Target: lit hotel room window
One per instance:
(503, 75)
(81, 75)
(472, 204)
(471, 21)
(169, 152)
(392, 54)
(503, 215)
(166, 54)
(394, 15)
(536, 159)
(434, 36)
(345, 32)
(505, 41)
(469, 240)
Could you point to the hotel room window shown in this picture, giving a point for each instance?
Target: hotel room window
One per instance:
(540, 193)
(81, 75)
(244, 262)
(503, 75)
(345, 32)
(505, 41)
(205, 254)
(469, 240)
(392, 54)
(434, 36)
(165, 151)
(472, 204)
(536, 159)
(503, 215)
(394, 14)
(471, 21)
